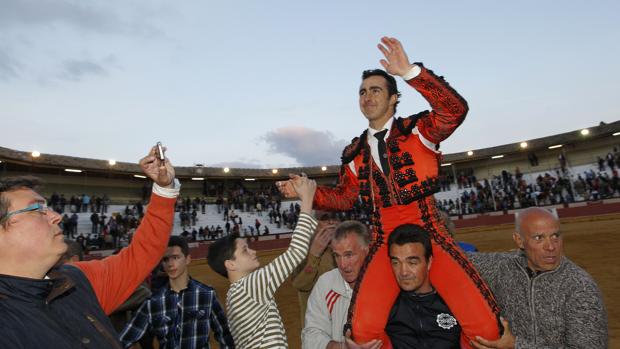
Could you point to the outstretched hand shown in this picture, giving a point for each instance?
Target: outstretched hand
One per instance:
(396, 61)
(286, 187)
(507, 340)
(304, 188)
(350, 344)
(161, 172)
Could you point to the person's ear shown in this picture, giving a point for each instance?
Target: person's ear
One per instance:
(9, 221)
(188, 259)
(518, 239)
(393, 99)
(230, 265)
(430, 262)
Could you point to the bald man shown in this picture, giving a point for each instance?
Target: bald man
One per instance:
(548, 301)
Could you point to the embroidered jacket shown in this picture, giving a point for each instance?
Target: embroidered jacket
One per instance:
(411, 148)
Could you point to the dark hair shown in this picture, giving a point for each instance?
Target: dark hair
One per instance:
(411, 233)
(180, 242)
(14, 183)
(222, 250)
(352, 227)
(391, 82)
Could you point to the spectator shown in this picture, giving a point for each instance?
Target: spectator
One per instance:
(257, 226)
(80, 294)
(192, 307)
(419, 318)
(328, 303)
(255, 321)
(94, 220)
(548, 300)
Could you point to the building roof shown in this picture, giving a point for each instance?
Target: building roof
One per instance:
(53, 161)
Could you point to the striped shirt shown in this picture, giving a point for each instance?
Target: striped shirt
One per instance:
(253, 314)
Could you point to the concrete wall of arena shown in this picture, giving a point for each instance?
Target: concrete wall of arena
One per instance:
(579, 209)
(118, 189)
(126, 188)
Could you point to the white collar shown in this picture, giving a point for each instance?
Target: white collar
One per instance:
(388, 126)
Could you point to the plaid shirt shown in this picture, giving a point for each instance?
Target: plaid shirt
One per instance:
(180, 320)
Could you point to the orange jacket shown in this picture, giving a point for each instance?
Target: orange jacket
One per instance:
(116, 277)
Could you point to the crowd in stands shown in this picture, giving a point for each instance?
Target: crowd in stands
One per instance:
(262, 203)
(511, 191)
(117, 229)
(106, 232)
(507, 191)
(79, 203)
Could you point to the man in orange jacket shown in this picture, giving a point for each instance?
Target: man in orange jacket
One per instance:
(393, 168)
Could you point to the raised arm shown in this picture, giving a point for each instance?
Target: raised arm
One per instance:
(264, 282)
(448, 107)
(306, 274)
(339, 198)
(116, 277)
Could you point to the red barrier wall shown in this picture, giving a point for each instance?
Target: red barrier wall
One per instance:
(591, 209)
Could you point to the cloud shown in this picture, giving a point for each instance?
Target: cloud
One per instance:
(307, 146)
(74, 25)
(80, 14)
(76, 69)
(9, 67)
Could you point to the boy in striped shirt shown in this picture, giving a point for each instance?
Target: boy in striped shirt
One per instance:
(253, 314)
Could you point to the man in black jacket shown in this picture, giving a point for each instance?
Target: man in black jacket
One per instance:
(419, 317)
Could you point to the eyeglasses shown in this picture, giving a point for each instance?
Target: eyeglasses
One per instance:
(40, 207)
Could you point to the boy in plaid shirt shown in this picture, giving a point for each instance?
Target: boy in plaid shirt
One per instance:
(181, 313)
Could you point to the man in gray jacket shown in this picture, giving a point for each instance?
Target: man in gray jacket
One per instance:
(548, 300)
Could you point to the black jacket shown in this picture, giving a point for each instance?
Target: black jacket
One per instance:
(59, 312)
(422, 321)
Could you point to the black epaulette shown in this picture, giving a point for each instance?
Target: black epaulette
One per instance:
(352, 150)
(405, 125)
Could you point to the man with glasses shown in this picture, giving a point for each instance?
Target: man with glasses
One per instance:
(393, 167)
(44, 305)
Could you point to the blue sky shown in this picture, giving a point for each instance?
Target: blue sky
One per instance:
(274, 83)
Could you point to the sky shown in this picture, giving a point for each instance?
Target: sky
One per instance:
(274, 83)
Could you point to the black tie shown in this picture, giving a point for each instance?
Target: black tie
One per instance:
(383, 152)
